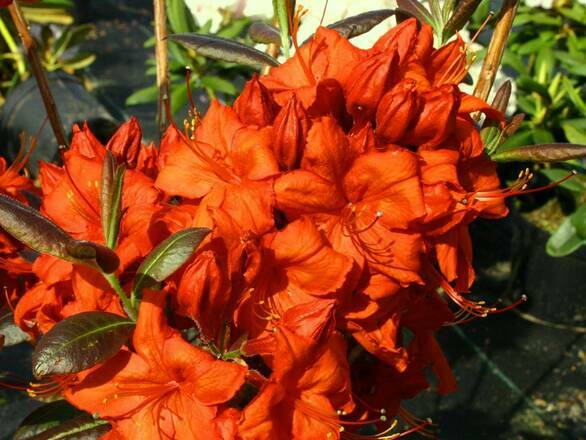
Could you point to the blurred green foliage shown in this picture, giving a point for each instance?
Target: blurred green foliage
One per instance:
(58, 45)
(219, 79)
(546, 53)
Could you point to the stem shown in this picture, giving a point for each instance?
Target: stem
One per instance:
(162, 59)
(126, 302)
(496, 49)
(37, 68)
(20, 66)
(272, 50)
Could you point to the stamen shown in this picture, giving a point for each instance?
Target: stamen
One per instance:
(294, 23)
(517, 188)
(480, 29)
(189, 94)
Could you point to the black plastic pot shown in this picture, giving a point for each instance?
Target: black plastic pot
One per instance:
(23, 111)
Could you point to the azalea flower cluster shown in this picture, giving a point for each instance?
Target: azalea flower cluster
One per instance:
(339, 189)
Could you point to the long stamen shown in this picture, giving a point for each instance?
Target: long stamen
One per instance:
(294, 23)
(517, 188)
(373, 252)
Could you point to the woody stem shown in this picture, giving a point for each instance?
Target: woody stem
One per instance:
(126, 302)
(30, 46)
(162, 59)
(496, 49)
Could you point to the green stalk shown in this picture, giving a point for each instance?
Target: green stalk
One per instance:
(128, 303)
(20, 66)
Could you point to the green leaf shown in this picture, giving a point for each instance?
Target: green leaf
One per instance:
(44, 418)
(529, 84)
(578, 220)
(93, 255)
(168, 257)
(576, 184)
(534, 46)
(281, 13)
(542, 136)
(62, 42)
(417, 10)
(70, 37)
(362, 23)
(540, 153)
(564, 241)
(143, 96)
(180, 17)
(42, 235)
(219, 85)
(80, 342)
(234, 29)
(224, 50)
(574, 95)
(111, 198)
(264, 33)
(79, 61)
(544, 65)
(83, 427)
(459, 18)
(575, 130)
(10, 333)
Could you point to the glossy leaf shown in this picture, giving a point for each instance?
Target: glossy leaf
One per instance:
(460, 17)
(224, 50)
(39, 233)
(360, 24)
(80, 342)
(83, 427)
(541, 153)
(415, 9)
(94, 255)
(44, 418)
(565, 240)
(10, 333)
(264, 33)
(111, 198)
(29, 227)
(168, 256)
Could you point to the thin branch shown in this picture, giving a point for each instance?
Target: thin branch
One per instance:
(162, 59)
(37, 69)
(272, 50)
(496, 49)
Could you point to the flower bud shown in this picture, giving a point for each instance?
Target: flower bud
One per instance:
(289, 133)
(396, 111)
(368, 83)
(126, 142)
(436, 119)
(255, 106)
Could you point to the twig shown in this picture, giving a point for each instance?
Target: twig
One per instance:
(38, 71)
(272, 50)
(496, 49)
(162, 59)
